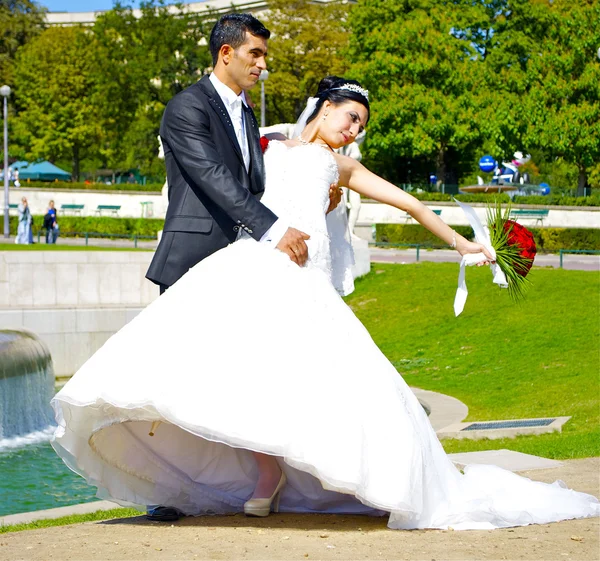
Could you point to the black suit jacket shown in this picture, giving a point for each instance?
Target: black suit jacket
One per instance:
(211, 195)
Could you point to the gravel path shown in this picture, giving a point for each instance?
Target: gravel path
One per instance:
(302, 537)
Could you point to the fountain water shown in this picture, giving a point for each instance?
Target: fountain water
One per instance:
(26, 388)
(32, 476)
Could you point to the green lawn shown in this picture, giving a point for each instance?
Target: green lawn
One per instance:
(74, 519)
(504, 361)
(64, 247)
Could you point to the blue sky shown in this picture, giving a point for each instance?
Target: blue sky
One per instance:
(86, 5)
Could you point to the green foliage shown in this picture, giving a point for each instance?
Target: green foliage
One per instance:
(490, 198)
(98, 224)
(306, 45)
(54, 80)
(20, 21)
(558, 200)
(151, 187)
(422, 78)
(550, 49)
(553, 239)
(142, 62)
(504, 361)
(67, 245)
(547, 240)
(414, 234)
(72, 519)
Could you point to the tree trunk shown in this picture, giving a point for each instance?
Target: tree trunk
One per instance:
(440, 163)
(75, 173)
(581, 182)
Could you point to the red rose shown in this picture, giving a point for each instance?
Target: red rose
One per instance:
(264, 142)
(520, 236)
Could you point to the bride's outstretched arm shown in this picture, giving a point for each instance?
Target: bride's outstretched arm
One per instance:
(358, 178)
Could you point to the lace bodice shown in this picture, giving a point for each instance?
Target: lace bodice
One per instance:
(297, 190)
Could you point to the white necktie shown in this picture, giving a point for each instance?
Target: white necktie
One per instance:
(238, 125)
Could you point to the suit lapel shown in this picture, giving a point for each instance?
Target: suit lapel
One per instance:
(257, 168)
(216, 103)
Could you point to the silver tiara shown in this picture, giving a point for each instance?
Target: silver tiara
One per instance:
(354, 88)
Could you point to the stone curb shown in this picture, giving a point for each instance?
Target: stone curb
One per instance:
(53, 513)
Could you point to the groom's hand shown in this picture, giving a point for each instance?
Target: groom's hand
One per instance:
(294, 245)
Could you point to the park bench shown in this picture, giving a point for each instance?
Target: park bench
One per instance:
(113, 209)
(408, 217)
(535, 214)
(75, 209)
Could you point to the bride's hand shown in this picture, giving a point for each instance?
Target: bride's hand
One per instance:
(464, 246)
(335, 196)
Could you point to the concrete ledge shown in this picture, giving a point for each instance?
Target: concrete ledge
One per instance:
(53, 513)
(457, 430)
(72, 335)
(444, 410)
(506, 459)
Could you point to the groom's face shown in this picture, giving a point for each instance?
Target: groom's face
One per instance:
(245, 63)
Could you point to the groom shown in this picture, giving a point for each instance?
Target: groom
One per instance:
(214, 162)
(215, 169)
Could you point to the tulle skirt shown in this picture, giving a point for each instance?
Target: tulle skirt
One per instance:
(248, 352)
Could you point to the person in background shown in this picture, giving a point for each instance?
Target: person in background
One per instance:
(50, 224)
(24, 227)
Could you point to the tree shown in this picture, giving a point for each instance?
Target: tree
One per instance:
(306, 44)
(20, 21)
(545, 61)
(564, 97)
(143, 62)
(423, 75)
(55, 95)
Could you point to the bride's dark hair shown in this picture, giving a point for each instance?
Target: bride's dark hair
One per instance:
(330, 89)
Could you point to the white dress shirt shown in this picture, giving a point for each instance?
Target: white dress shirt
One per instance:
(233, 104)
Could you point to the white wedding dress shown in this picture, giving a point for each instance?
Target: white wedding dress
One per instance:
(248, 351)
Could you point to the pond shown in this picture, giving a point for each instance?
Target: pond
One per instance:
(32, 477)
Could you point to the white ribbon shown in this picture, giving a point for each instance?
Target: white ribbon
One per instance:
(482, 236)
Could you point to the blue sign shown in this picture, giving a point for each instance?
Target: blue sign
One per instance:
(544, 189)
(487, 164)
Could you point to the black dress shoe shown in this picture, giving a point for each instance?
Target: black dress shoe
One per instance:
(163, 514)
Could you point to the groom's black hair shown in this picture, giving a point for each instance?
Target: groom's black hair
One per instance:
(231, 30)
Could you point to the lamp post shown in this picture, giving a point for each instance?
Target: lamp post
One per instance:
(263, 76)
(5, 92)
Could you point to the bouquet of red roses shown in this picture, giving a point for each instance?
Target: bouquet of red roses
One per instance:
(514, 246)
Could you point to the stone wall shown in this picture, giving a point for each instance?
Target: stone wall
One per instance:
(558, 217)
(74, 301)
(129, 201)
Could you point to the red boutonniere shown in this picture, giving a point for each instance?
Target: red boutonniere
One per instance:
(264, 142)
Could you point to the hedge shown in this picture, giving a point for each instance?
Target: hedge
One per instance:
(548, 240)
(152, 187)
(99, 224)
(555, 200)
(549, 200)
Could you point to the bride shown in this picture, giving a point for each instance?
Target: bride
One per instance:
(264, 391)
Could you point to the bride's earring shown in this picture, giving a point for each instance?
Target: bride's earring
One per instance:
(325, 116)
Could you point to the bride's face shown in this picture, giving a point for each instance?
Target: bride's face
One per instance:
(342, 123)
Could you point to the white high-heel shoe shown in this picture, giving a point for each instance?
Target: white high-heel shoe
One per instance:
(262, 507)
